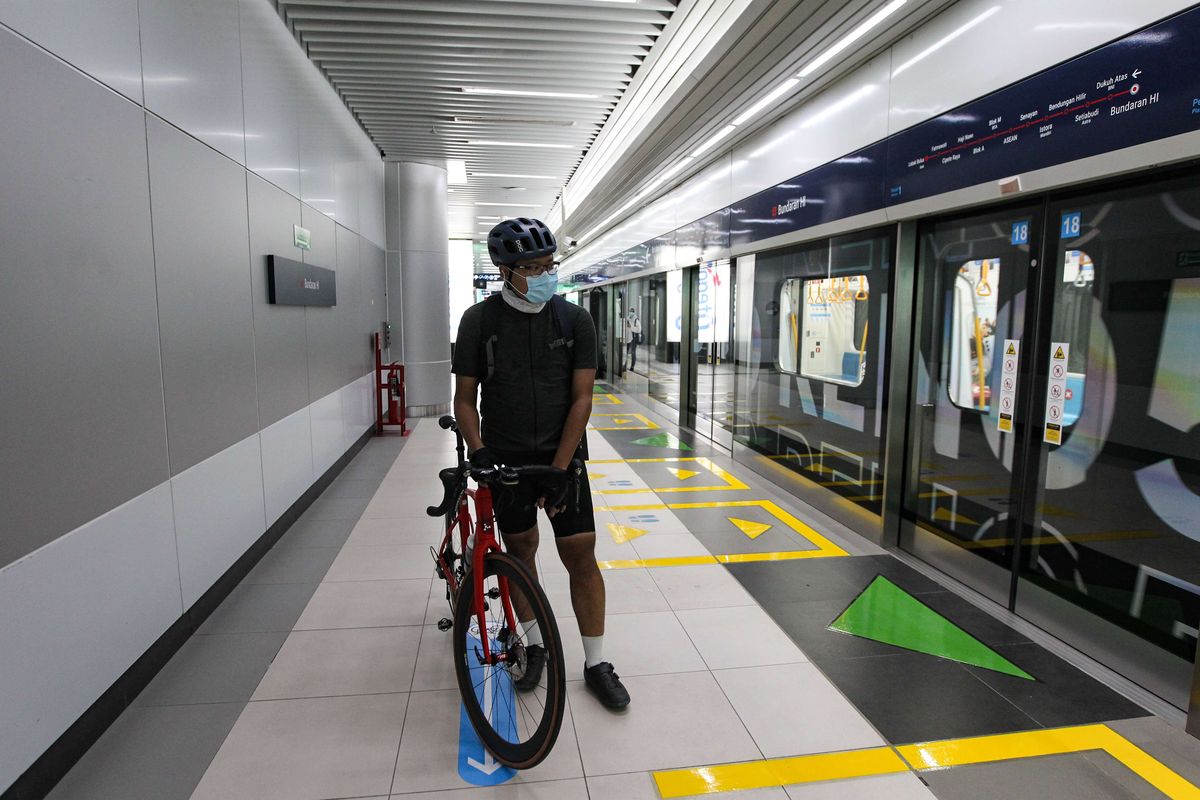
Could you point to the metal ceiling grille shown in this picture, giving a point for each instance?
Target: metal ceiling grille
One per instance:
(424, 76)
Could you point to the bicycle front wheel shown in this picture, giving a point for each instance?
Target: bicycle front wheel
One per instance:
(516, 712)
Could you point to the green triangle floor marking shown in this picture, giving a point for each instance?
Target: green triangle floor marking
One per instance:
(662, 440)
(886, 613)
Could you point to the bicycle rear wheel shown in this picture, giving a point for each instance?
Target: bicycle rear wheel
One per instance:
(518, 726)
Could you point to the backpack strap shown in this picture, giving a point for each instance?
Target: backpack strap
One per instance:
(488, 334)
(489, 327)
(564, 321)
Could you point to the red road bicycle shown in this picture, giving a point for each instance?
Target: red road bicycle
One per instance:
(496, 607)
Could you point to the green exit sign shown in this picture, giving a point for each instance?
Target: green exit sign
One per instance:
(302, 237)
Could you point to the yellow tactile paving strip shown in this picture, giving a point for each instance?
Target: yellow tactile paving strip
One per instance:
(823, 548)
(730, 482)
(618, 423)
(927, 756)
(608, 400)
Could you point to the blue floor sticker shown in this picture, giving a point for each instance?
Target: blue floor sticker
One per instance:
(497, 697)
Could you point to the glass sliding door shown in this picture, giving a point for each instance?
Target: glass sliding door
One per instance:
(715, 299)
(662, 328)
(974, 276)
(811, 370)
(1054, 447)
(1112, 557)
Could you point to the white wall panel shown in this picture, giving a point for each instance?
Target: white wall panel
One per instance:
(318, 145)
(358, 411)
(287, 462)
(219, 513)
(328, 431)
(947, 62)
(100, 39)
(703, 193)
(371, 198)
(192, 63)
(346, 179)
(77, 613)
(851, 114)
(271, 65)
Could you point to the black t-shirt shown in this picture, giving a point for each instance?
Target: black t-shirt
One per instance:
(523, 408)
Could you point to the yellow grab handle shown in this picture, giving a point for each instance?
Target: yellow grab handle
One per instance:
(984, 289)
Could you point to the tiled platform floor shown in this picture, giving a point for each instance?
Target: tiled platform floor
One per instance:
(324, 675)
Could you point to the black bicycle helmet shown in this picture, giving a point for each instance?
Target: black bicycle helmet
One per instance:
(520, 240)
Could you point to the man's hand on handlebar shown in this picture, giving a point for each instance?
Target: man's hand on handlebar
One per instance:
(554, 493)
(482, 458)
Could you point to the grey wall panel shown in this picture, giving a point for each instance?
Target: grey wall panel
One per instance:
(374, 309)
(192, 63)
(347, 177)
(202, 262)
(391, 205)
(351, 342)
(78, 304)
(280, 353)
(370, 197)
(270, 61)
(99, 38)
(395, 304)
(321, 331)
(318, 144)
(324, 240)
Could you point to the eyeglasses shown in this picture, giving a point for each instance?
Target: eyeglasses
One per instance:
(538, 269)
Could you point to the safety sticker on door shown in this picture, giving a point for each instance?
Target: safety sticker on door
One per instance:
(1056, 391)
(1008, 385)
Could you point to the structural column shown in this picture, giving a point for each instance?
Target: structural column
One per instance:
(418, 257)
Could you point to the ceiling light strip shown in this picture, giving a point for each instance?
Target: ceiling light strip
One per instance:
(862, 30)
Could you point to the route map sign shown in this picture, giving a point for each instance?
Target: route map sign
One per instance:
(1126, 93)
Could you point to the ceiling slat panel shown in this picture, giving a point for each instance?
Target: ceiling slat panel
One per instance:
(477, 80)
(654, 11)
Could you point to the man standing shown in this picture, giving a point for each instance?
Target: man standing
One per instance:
(534, 356)
(633, 334)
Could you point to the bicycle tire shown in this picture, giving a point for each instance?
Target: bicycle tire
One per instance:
(521, 753)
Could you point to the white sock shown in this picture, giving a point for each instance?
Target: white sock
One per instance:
(593, 651)
(533, 633)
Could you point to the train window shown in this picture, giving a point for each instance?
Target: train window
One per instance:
(824, 328)
(1073, 323)
(972, 334)
(790, 309)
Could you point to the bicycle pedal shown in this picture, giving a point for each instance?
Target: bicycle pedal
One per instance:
(445, 624)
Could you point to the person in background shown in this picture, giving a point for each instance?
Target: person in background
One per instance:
(632, 336)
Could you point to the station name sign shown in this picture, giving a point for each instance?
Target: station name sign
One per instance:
(292, 283)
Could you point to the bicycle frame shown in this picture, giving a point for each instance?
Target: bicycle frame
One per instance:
(486, 541)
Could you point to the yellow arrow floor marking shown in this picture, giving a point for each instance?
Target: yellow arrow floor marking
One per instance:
(624, 533)
(682, 474)
(621, 421)
(751, 529)
(595, 476)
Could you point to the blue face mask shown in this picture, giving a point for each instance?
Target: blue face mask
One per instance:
(541, 287)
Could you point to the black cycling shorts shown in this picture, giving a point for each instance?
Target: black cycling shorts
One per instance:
(516, 506)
